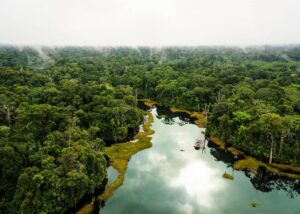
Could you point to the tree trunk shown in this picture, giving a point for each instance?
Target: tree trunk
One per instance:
(70, 139)
(7, 111)
(271, 150)
(296, 156)
(206, 110)
(282, 137)
(281, 144)
(146, 86)
(136, 96)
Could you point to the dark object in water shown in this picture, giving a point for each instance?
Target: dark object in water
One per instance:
(254, 204)
(182, 150)
(197, 147)
(228, 176)
(199, 144)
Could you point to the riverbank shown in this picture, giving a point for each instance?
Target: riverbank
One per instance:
(245, 162)
(119, 156)
(149, 103)
(199, 117)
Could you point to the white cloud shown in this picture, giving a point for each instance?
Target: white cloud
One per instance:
(149, 22)
(201, 182)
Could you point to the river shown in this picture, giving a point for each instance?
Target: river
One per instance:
(174, 178)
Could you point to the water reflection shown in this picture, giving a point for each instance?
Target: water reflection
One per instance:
(112, 175)
(264, 181)
(200, 182)
(172, 177)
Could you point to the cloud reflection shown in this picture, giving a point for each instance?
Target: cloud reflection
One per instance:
(164, 179)
(183, 172)
(200, 182)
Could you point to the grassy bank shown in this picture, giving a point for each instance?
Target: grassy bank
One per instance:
(148, 102)
(200, 120)
(119, 156)
(252, 164)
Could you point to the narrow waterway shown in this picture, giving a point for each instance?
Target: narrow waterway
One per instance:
(174, 178)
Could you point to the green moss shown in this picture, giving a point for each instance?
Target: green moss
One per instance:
(174, 110)
(235, 151)
(200, 118)
(248, 163)
(148, 102)
(87, 209)
(279, 171)
(284, 167)
(218, 142)
(228, 176)
(253, 165)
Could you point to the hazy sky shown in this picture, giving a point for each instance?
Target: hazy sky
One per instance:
(149, 22)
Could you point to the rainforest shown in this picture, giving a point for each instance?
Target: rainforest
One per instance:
(77, 125)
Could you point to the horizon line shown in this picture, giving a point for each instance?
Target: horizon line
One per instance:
(151, 46)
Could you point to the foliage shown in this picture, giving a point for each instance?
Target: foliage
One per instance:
(53, 128)
(59, 110)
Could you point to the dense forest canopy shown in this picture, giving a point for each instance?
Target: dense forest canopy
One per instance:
(61, 106)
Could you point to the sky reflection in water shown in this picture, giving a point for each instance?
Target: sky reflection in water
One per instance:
(164, 179)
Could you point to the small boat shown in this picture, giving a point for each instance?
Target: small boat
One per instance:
(199, 144)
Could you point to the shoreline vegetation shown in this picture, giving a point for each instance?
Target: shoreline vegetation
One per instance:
(148, 102)
(199, 117)
(246, 162)
(119, 155)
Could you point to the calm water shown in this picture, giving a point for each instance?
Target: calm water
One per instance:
(164, 179)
